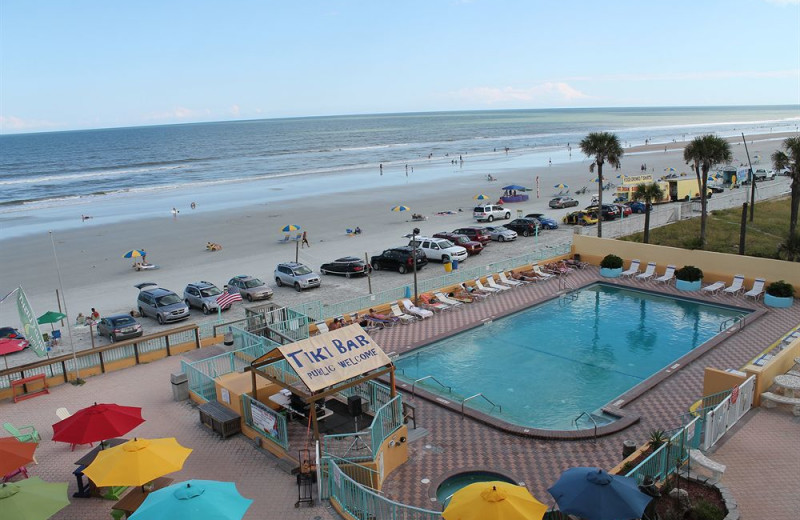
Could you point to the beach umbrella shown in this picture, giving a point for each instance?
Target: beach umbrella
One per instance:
(195, 499)
(290, 227)
(15, 454)
(32, 499)
(594, 494)
(496, 500)
(50, 317)
(135, 253)
(515, 187)
(401, 208)
(670, 169)
(481, 197)
(560, 186)
(137, 462)
(97, 423)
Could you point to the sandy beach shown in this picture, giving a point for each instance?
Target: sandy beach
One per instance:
(94, 274)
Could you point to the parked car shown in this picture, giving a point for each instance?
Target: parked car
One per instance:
(296, 275)
(562, 202)
(501, 233)
(348, 266)
(609, 211)
(490, 212)
(544, 221)
(623, 209)
(716, 188)
(203, 295)
(401, 259)
(524, 226)
(163, 305)
(477, 234)
(637, 206)
(439, 249)
(473, 247)
(763, 175)
(10, 334)
(119, 327)
(249, 288)
(581, 217)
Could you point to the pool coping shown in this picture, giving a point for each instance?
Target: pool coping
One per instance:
(434, 484)
(624, 419)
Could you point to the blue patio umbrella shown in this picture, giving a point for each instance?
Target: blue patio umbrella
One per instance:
(195, 499)
(670, 169)
(290, 227)
(594, 494)
(401, 208)
(515, 187)
(135, 253)
(560, 186)
(481, 196)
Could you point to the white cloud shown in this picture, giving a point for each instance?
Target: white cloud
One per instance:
(18, 124)
(544, 93)
(177, 114)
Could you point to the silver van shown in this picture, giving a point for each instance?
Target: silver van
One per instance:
(163, 305)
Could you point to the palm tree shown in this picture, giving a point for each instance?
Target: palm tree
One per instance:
(604, 147)
(790, 159)
(703, 153)
(648, 192)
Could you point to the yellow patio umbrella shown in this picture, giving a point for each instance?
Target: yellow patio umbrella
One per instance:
(494, 500)
(137, 462)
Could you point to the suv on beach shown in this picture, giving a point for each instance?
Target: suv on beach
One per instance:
(399, 258)
(440, 249)
(524, 226)
(298, 275)
(608, 211)
(477, 234)
(202, 295)
(163, 305)
(249, 288)
(489, 212)
(473, 247)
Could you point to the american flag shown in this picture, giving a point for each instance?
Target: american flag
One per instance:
(226, 299)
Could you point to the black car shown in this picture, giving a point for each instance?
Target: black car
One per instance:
(524, 226)
(609, 211)
(348, 266)
(399, 258)
(117, 327)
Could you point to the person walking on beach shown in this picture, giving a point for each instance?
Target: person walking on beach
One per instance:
(305, 243)
(380, 166)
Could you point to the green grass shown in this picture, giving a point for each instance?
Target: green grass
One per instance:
(767, 231)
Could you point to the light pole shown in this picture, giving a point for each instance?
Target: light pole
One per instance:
(414, 233)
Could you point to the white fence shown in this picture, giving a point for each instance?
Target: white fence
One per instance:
(722, 417)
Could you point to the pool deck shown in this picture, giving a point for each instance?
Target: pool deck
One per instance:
(764, 444)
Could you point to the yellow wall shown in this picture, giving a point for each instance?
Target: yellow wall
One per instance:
(395, 454)
(715, 266)
(716, 381)
(780, 364)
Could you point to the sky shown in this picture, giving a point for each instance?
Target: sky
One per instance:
(96, 64)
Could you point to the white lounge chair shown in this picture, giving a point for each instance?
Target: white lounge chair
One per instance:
(62, 413)
(447, 300)
(737, 286)
(714, 288)
(757, 290)
(404, 318)
(509, 281)
(322, 327)
(285, 239)
(632, 269)
(482, 288)
(668, 275)
(541, 274)
(495, 285)
(648, 273)
(414, 310)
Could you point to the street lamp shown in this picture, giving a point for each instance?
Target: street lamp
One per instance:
(414, 233)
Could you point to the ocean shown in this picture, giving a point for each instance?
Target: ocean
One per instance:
(49, 180)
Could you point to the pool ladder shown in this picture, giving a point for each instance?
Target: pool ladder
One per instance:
(731, 322)
(569, 291)
(587, 414)
(413, 386)
(499, 408)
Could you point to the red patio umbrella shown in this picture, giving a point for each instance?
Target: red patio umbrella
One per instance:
(15, 454)
(97, 423)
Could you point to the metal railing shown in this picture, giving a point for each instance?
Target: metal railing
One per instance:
(365, 445)
(463, 402)
(728, 323)
(722, 417)
(265, 421)
(414, 385)
(671, 455)
(586, 414)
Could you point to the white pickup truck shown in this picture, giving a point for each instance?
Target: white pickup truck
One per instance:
(440, 249)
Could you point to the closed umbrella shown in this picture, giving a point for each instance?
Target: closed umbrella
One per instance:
(97, 423)
(594, 494)
(137, 462)
(15, 454)
(493, 500)
(195, 499)
(32, 499)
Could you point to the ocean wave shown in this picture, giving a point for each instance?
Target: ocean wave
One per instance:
(71, 177)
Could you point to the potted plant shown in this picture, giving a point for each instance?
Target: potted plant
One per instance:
(611, 266)
(779, 294)
(688, 278)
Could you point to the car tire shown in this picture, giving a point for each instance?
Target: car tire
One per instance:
(141, 313)
(159, 319)
(376, 266)
(402, 269)
(249, 297)
(323, 271)
(508, 215)
(490, 218)
(111, 338)
(347, 275)
(279, 282)
(205, 310)
(501, 238)
(526, 233)
(297, 287)
(446, 260)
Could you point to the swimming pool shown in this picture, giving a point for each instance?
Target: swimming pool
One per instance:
(547, 364)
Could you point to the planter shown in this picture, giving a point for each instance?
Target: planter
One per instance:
(683, 285)
(610, 273)
(778, 301)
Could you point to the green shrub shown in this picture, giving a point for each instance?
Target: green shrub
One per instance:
(780, 289)
(705, 510)
(657, 438)
(689, 273)
(627, 467)
(611, 262)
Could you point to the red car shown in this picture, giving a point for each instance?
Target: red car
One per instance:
(625, 209)
(473, 247)
(474, 233)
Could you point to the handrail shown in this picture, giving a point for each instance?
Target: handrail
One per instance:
(449, 388)
(500, 408)
(587, 414)
(740, 320)
(563, 283)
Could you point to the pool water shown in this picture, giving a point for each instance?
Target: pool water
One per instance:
(547, 364)
(449, 486)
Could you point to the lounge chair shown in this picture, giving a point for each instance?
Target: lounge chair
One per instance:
(474, 293)
(648, 273)
(668, 275)
(509, 281)
(322, 327)
(447, 300)
(404, 318)
(479, 286)
(737, 286)
(541, 274)
(31, 436)
(414, 310)
(714, 288)
(495, 285)
(285, 239)
(62, 413)
(757, 290)
(426, 302)
(633, 269)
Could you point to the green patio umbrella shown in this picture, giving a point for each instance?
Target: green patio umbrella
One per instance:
(32, 499)
(50, 317)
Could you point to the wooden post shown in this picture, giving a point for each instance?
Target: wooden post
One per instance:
(369, 272)
(313, 416)
(393, 386)
(743, 229)
(255, 387)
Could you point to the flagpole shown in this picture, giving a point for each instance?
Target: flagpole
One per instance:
(66, 311)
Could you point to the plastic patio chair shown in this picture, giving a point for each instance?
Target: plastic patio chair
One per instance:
(633, 269)
(714, 288)
(31, 436)
(668, 275)
(757, 290)
(62, 413)
(494, 285)
(648, 273)
(737, 286)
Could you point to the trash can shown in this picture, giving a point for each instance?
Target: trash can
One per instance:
(448, 267)
(455, 264)
(576, 257)
(180, 386)
(227, 339)
(628, 447)
(407, 292)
